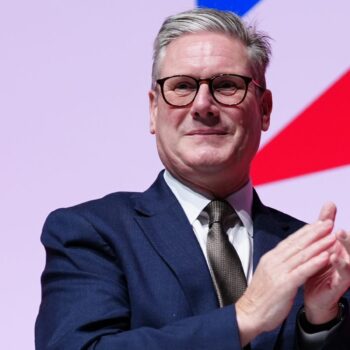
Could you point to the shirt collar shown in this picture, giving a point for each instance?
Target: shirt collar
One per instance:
(193, 202)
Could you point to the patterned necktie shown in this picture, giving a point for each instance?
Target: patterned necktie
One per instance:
(225, 265)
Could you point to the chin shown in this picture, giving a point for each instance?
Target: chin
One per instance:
(208, 166)
(210, 158)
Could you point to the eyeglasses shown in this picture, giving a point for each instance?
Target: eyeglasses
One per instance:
(226, 89)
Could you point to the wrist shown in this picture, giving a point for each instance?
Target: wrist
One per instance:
(248, 325)
(323, 317)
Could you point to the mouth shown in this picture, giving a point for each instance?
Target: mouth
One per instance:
(206, 132)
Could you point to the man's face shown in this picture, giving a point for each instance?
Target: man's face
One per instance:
(206, 140)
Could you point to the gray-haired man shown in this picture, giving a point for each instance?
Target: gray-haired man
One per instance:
(153, 270)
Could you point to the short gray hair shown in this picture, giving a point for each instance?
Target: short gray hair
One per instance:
(209, 20)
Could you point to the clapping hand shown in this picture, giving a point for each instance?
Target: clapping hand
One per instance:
(323, 290)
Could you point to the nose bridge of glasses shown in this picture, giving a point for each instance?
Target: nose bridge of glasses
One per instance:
(207, 82)
(204, 97)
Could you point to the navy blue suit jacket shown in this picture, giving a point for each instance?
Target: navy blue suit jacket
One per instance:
(126, 272)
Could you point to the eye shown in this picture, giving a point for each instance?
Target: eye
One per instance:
(181, 85)
(184, 86)
(227, 85)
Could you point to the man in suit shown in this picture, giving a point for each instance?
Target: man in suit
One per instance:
(150, 270)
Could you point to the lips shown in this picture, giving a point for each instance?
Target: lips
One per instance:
(206, 132)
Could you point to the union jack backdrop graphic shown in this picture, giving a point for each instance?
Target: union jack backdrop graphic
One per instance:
(305, 156)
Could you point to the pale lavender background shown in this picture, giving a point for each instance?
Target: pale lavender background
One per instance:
(74, 125)
(74, 77)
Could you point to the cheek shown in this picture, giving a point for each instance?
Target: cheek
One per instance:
(169, 122)
(248, 130)
(168, 130)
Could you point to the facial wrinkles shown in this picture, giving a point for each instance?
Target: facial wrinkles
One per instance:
(201, 56)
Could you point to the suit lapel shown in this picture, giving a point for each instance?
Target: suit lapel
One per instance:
(267, 231)
(165, 224)
(270, 228)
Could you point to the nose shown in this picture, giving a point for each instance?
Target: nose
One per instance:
(204, 106)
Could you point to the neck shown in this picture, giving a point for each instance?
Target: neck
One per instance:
(215, 185)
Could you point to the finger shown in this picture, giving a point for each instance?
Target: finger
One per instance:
(341, 263)
(338, 262)
(344, 238)
(304, 271)
(328, 211)
(340, 258)
(301, 239)
(311, 251)
(337, 251)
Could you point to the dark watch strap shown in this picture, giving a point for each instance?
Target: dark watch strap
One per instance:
(315, 328)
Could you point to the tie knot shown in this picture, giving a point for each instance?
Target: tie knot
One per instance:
(218, 210)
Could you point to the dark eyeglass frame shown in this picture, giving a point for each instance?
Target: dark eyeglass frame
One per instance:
(209, 81)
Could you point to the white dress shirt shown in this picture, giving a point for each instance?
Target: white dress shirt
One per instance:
(241, 237)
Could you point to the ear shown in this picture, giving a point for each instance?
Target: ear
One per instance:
(153, 110)
(266, 109)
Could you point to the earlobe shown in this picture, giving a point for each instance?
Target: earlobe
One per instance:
(266, 109)
(153, 110)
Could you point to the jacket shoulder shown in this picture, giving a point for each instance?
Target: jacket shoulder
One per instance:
(284, 217)
(111, 204)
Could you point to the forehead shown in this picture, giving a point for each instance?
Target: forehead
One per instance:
(205, 53)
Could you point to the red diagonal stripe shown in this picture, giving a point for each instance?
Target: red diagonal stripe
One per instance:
(318, 139)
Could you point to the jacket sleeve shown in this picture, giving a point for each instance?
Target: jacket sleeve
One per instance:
(85, 302)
